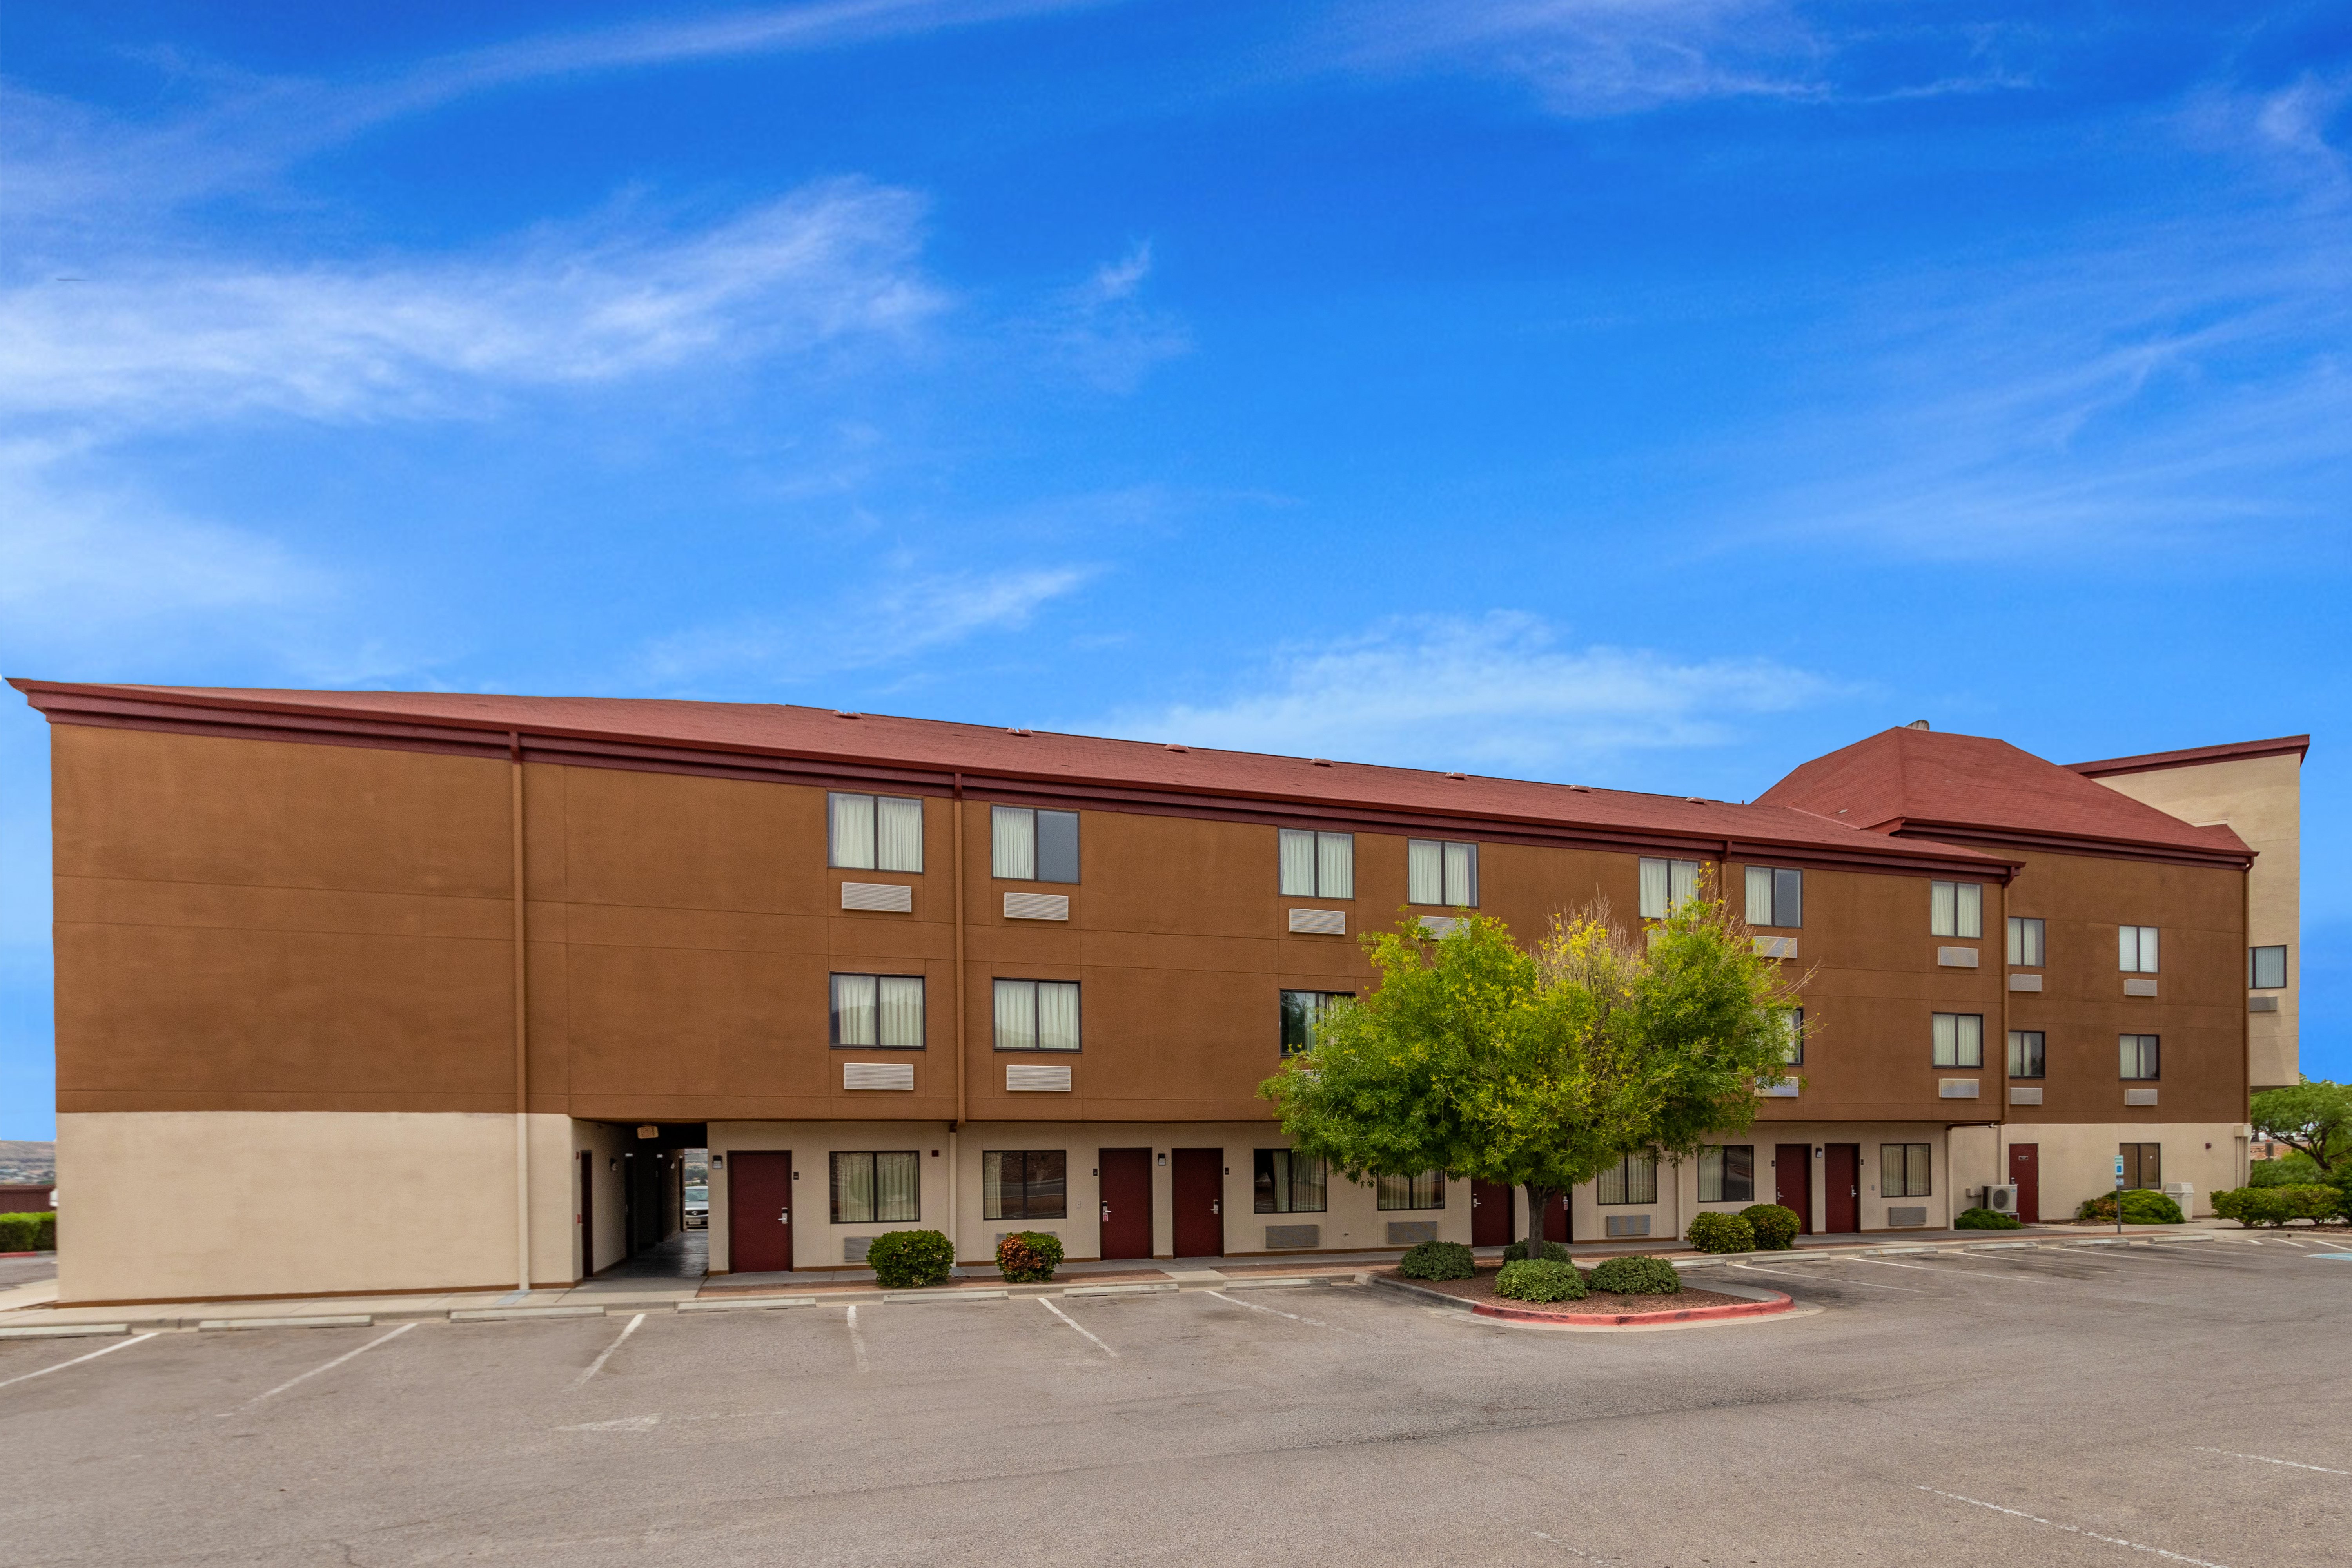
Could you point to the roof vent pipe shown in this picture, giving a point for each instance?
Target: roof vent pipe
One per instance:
(1918, 724)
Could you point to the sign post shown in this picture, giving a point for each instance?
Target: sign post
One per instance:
(2119, 1195)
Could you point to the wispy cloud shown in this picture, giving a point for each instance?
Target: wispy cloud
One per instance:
(1104, 332)
(1495, 692)
(895, 622)
(173, 341)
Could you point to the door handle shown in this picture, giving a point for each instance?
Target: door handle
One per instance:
(1106, 1212)
(785, 1217)
(1216, 1207)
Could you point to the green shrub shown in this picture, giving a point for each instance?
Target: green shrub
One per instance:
(2141, 1206)
(906, 1259)
(1028, 1257)
(1540, 1279)
(1553, 1252)
(35, 1232)
(1776, 1227)
(2296, 1170)
(1639, 1275)
(1712, 1232)
(1438, 1260)
(1986, 1219)
(2275, 1206)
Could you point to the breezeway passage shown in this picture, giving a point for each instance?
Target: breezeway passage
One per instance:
(2037, 1405)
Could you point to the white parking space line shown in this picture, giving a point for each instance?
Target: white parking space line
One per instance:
(857, 1342)
(1882, 1263)
(2076, 1529)
(1075, 1324)
(2265, 1459)
(116, 1345)
(1294, 1317)
(1784, 1274)
(305, 1377)
(1571, 1551)
(598, 1365)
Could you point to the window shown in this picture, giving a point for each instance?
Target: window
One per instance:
(874, 833)
(872, 1189)
(1302, 1014)
(1425, 1191)
(1025, 1184)
(1792, 1029)
(2136, 948)
(1317, 865)
(879, 1012)
(1037, 1014)
(2140, 1055)
(1904, 1171)
(2265, 968)
(2143, 1165)
(2025, 942)
(1285, 1183)
(1960, 1039)
(1956, 909)
(2025, 1053)
(1776, 896)
(1665, 884)
(1025, 846)
(1632, 1180)
(1440, 872)
(1726, 1172)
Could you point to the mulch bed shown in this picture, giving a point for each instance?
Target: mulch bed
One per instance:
(1481, 1290)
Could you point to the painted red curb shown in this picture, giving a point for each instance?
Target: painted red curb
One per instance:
(1779, 1303)
(36, 1253)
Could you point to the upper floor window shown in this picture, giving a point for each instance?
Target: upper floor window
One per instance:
(1302, 1014)
(1317, 865)
(1726, 1172)
(874, 832)
(1036, 1015)
(1776, 896)
(2265, 968)
(2025, 948)
(1791, 1021)
(1424, 1191)
(1283, 1182)
(1960, 1039)
(2141, 1055)
(1440, 872)
(2026, 1057)
(1025, 846)
(1954, 908)
(1665, 884)
(1633, 1179)
(2136, 948)
(882, 1012)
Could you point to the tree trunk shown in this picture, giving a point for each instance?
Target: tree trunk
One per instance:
(1538, 1198)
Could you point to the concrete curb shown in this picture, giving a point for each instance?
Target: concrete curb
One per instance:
(1768, 1303)
(354, 1320)
(501, 1314)
(748, 1304)
(64, 1330)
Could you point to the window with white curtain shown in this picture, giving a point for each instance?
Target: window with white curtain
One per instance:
(2026, 949)
(874, 832)
(1956, 909)
(2265, 968)
(1026, 846)
(2136, 948)
(1633, 1179)
(1425, 1190)
(1960, 1039)
(1438, 871)
(1905, 1171)
(1776, 897)
(879, 1012)
(1665, 884)
(1285, 1181)
(1317, 865)
(1791, 1022)
(1037, 1014)
(876, 1187)
(1727, 1173)
(2028, 1056)
(2141, 1058)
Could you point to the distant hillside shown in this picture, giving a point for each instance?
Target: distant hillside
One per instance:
(27, 1161)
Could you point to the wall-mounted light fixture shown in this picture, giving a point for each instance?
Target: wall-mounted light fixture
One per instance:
(1163, 1159)
(648, 1129)
(613, 1163)
(718, 1162)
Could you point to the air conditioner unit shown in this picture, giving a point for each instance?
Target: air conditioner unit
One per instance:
(2001, 1199)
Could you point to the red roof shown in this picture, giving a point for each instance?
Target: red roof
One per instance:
(1973, 786)
(2194, 756)
(986, 754)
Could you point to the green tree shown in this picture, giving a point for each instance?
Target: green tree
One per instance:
(1540, 1069)
(2312, 1118)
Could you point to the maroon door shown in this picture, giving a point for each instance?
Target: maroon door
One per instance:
(1490, 1213)
(759, 1212)
(1792, 1182)
(1198, 1186)
(1126, 1177)
(1840, 1188)
(1556, 1218)
(587, 1213)
(2025, 1171)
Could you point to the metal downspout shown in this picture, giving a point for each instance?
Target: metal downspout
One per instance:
(521, 1025)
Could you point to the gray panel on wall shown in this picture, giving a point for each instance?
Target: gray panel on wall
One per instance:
(1293, 1237)
(2262, 1004)
(2139, 987)
(891, 898)
(1412, 1232)
(1320, 922)
(1957, 957)
(1628, 1224)
(1440, 925)
(877, 1075)
(1915, 1214)
(1781, 1089)
(2025, 983)
(2140, 1096)
(2024, 1096)
(1036, 906)
(1956, 1088)
(1776, 947)
(853, 1248)
(1037, 1079)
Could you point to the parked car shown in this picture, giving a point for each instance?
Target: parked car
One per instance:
(698, 1208)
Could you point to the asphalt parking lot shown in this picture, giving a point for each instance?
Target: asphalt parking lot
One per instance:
(2189, 1403)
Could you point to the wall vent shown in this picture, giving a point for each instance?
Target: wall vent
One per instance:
(877, 1075)
(2140, 1096)
(1037, 1079)
(853, 1248)
(1036, 906)
(889, 898)
(1776, 1089)
(1628, 1224)
(1776, 947)
(2024, 1096)
(1916, 1215)
(1956, 1089)
(1412, 1232)
(1320, 922)
(2139, 987)
(1956, 957)
(1442, 925)
(2025, 983)
(2262, 1004)
(1293, 1237)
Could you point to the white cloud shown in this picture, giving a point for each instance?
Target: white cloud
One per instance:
(1102, 331)
(896, 621)
(1492, 693)
(174, 341)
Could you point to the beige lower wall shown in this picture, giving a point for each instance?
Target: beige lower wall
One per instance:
(190, 1206)
(2077, 1160)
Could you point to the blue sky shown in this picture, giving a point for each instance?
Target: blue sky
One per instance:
(1646, 393)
